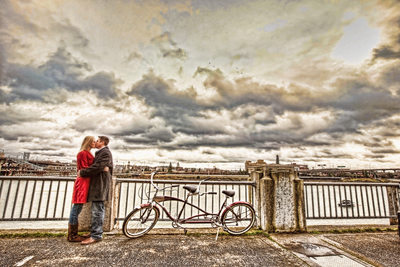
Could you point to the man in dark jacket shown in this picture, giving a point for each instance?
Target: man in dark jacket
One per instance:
(100, 184)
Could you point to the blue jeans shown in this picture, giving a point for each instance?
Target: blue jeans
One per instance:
(73, 216)
(97, 220)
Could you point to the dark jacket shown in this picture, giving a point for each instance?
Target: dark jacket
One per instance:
(100, 181)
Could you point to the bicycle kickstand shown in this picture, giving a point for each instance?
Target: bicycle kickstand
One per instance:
(216, 237)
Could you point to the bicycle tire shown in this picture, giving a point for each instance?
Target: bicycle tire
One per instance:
(239, 218)
(133, 227)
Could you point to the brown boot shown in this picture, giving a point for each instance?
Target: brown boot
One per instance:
(73, 233)
(84, 235)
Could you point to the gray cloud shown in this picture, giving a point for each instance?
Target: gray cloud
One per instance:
(243, 112)
(168, 47)
(14, 116)
(133, 56)
(386, 52)
(390, 75)
(61, 71)
(174, 53)
(386, 151)
(173, 106)
(390, 50)
(72, 34)
(152, 136)
(354, 102)
(8, 136)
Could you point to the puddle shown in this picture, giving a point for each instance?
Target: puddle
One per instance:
(322, 255)
(334, 261)
(311, 250)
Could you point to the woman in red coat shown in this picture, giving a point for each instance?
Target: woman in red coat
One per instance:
(81, 188)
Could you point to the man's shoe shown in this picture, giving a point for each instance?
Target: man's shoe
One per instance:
(85, 235)
(89, 241)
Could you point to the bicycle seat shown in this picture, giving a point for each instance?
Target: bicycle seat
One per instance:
(228, 193)
(191, 189)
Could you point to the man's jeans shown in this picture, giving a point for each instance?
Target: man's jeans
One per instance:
(73, 216)
(97, 220)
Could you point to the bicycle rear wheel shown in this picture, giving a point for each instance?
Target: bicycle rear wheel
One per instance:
(140, 221)
(239, 218)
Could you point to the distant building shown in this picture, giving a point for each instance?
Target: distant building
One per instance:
(300, 167)
(259, 165)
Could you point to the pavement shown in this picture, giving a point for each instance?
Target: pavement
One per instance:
(202, 249)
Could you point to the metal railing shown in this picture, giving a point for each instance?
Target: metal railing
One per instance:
(35, 198)
(32, 198)
(334, 200)
(133, 192)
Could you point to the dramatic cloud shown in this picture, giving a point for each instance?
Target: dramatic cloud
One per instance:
(61, 71)
(390, 50)
(203, 82)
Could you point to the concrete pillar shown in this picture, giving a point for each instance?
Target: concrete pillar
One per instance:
(281, 200)
(267, 208)
(393, 204)
(85, 217)
(300, 211)
(110, 211)
(255, 176)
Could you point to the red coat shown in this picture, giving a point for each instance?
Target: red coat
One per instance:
(81, 185)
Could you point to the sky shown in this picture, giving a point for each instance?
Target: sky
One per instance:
(204, 83)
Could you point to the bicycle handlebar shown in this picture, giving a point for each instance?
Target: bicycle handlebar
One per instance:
(155, 186)
(198, 187)
(171, 186)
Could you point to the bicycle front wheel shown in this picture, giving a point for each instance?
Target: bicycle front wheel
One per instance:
(140, 221)
(239, 218)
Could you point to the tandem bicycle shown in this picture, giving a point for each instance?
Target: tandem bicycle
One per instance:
(236, 218)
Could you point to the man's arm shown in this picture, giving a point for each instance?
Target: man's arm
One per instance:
(98, 166)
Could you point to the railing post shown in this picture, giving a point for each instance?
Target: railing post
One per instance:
(115, 205)
(398, 220)
(280, 196)
(393, 201)
(255, 199)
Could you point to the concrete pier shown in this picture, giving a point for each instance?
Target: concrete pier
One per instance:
(280, 197)
(111, 208)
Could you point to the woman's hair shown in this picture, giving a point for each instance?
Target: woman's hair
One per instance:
(87, 141)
